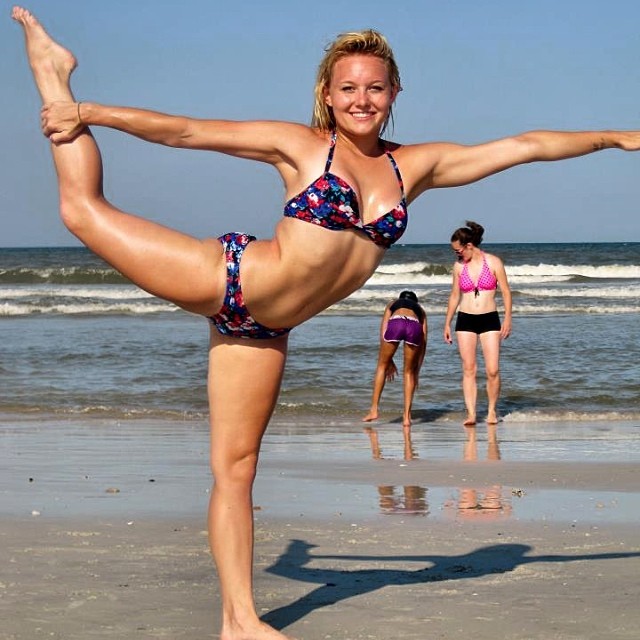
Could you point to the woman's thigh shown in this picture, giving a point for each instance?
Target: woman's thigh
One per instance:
(243, 385)
(467, 347)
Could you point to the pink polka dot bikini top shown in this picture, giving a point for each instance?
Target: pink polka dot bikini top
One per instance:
(486, 280)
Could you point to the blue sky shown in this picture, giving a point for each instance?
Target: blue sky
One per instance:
(472, 70)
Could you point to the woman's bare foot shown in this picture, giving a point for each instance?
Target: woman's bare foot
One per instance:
(262, 632)
(50, 62)
(492, 418)
(371, 416)
(469, 422)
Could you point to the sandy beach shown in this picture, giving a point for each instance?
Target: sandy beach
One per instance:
(103, 535)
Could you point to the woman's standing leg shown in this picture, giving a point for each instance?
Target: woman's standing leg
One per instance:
(385, 355)
(244, 383)
(490, 342)
(168, 264)
(467, 346)
(409, 380)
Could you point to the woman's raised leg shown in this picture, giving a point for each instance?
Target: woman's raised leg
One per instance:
(168, 264)
(244, 383)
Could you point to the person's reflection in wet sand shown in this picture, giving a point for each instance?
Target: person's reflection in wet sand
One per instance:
(470, 448)
(409, 452)
(487, 502)
(412, 500)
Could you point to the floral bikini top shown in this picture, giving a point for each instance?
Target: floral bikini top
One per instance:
(486, 280)
(330, 202)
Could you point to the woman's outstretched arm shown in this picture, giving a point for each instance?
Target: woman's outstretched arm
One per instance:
(256, 140)
(441, 164)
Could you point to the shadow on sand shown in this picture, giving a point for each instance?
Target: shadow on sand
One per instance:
(338, 584)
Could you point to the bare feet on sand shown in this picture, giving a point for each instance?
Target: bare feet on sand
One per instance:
(470, 421)
(371, 416)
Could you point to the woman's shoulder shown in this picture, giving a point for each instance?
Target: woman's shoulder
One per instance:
(493, 260)
(304, 137)
(298, 145)
(418, 150)
(417, 162)
(291, 130)
(492, 257)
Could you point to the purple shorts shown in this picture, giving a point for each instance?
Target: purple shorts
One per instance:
(403, 328)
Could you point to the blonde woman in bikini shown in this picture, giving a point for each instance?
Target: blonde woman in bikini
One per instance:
(348, 190)
(476, 277)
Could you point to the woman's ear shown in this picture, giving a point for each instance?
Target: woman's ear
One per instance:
(327, 96)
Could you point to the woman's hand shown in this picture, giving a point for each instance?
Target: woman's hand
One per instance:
(391, 372)
(60, 121)
(628, 140)
(505, 330)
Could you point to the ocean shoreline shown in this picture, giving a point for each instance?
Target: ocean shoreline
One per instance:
(94, 467)
(79, 341)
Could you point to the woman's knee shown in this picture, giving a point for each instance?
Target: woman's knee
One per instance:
(234, 468)
(493, 373)
(411, 370)
(469, 369)
(76, 212)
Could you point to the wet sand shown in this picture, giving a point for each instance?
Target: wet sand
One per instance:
(103, 534)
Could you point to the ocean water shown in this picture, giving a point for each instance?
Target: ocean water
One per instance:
(77, 340)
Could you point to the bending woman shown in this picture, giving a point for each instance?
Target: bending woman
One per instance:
(403, 319)
(476, 277)
(347, 193)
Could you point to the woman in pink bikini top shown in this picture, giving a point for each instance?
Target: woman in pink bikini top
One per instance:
(486, 281)
(476, 277)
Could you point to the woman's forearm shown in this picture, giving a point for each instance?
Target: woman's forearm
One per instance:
(506, 299)
(454, 301)
(151, 126)
(558, 145)
(456, 165)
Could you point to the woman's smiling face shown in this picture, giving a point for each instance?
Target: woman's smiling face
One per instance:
(360, 93)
